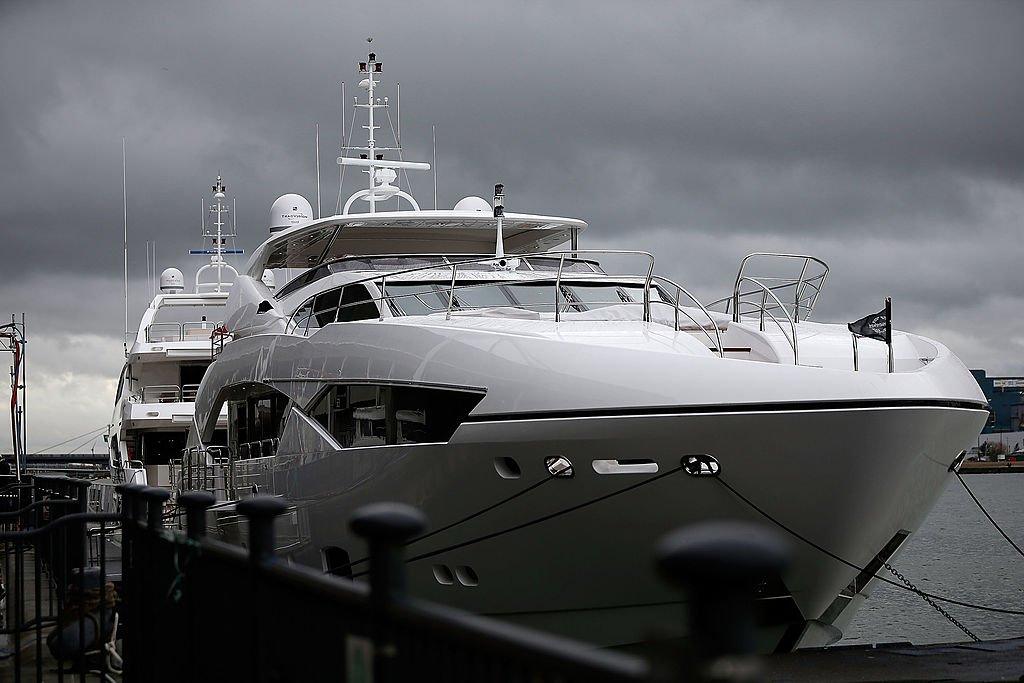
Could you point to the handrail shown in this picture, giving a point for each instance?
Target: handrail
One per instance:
(178, 332)
(717, 341)
(454, 265)
(175, 327)
(162, 391)
(558, 288)
(649, 280)
(766, 292)
(39, 503)
(83, 517)
(800, 284)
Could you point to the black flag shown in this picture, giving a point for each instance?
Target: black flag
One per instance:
(876, 326)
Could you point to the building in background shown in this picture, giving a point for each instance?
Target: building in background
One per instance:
(1005, 424)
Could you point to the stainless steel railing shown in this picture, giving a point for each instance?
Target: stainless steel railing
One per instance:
(798, 294)
(177, 332)
(167, 393)
(561, 300)
(764, 308)
(222, 471)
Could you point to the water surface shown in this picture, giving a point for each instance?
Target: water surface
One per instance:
(956, 553)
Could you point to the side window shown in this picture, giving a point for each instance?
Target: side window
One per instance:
(120, 383)
(254, 423)
(343, 305)
(302, 316)
(361, 415)
(325, 307)
(356, 304)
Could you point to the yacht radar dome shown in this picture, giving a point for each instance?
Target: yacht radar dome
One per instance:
(473, 204)
(172, 281)
(269, 280)
(289, 210)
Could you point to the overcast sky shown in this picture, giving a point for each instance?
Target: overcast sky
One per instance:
(886, 138)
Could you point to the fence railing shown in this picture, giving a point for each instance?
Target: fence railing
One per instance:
(53, 571)
(189, 607)
(300, 624)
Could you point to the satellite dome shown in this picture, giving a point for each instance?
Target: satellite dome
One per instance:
(269, 280)
(474, 204)
(172, 281)
(289, 210)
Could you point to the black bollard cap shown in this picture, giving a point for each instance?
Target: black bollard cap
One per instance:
(721, 552)
(153, 492)
(198, 499)
(391, 522)
(129, 489)
(262, 507)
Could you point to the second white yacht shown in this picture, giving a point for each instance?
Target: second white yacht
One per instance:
(165, 363)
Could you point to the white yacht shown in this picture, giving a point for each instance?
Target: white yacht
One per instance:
(165, 363)
(555, 412)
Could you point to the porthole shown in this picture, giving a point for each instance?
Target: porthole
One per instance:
(466, 576)
(443, 575)
(507, 468)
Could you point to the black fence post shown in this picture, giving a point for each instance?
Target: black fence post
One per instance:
(151, 593)
(719, 565)
(260, 511)
(386, 527)
(132, 626)
(78, 491)
(196, 503)
(155, 499)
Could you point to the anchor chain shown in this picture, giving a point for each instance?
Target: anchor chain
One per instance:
(953, 620)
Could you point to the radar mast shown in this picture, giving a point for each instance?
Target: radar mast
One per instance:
(381, 172)
(218, 240)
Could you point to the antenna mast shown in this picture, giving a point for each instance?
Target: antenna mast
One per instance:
(124, 208)
(381, 172)
(318, 213)
(218, 240)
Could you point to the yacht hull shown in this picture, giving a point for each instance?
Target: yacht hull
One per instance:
(573, 555)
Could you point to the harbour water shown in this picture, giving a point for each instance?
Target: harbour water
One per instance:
(956, 553)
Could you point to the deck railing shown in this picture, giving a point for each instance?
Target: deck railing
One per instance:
(167, 393)
(656, 291)
(178, 332)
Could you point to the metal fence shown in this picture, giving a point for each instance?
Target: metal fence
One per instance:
(53, 578)
(189, 607)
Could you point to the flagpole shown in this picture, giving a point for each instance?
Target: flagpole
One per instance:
(856, 360)
(888, 330)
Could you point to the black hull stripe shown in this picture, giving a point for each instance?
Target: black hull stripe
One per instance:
(731, 408)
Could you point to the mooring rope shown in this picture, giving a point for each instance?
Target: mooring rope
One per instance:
(826, 551)
(529, 523)
(982, 508)
(545, 518)
(473, 515)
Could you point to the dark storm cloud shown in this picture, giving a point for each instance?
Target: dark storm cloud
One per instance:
(887, 136)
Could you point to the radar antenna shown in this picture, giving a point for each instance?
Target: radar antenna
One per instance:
(218, 239)
(381, 172)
